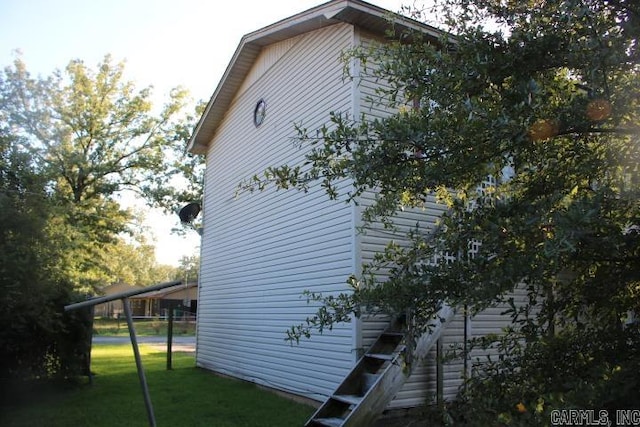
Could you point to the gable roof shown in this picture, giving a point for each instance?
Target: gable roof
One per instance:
(359, 13)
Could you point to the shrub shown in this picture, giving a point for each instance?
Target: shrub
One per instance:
(575, 369)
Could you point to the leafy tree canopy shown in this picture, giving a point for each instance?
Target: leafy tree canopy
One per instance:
(95, 132)
(92, 135)
(135, 263)
(69, 144)
(189, 268)
(528, 129)
(33, 286)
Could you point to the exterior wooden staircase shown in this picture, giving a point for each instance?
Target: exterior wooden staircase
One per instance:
(377, 376)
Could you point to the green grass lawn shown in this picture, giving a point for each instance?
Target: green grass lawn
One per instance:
(113, 327)
(184, 396)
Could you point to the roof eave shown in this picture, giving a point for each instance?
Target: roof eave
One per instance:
(355, 12)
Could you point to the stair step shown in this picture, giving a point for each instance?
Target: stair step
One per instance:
(376, 378)
(382, 356)
(329, 422)
(351, 399)
(368, 381)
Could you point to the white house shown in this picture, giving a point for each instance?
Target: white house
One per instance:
(260, 251)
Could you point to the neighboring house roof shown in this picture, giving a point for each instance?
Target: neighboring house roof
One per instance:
(173, 292)
(364, 15)
(116, 288)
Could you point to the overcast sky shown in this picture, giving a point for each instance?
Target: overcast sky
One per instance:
(165, 43)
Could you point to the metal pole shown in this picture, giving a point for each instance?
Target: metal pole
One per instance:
(439, 375)
(126, 294)
(169, 336)
(467, 372)
(136, 354)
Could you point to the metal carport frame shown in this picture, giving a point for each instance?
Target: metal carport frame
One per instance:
(124, 296)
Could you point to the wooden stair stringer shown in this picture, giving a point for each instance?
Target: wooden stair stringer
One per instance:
(360, 411)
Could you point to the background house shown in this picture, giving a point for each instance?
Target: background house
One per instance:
(150, 304)
(260, 251)
(183, 297)
(113, 309)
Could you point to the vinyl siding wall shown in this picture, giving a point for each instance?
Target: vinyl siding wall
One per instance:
(421, 387)
(493, 321)
(261, 250)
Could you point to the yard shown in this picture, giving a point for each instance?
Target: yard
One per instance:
(144, 327)
(183, 396)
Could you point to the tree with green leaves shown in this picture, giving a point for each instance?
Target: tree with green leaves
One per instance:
(135, 263)
(33, 283)
(189, 268)
(94, 135)
(70, 144)
(525, 121)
